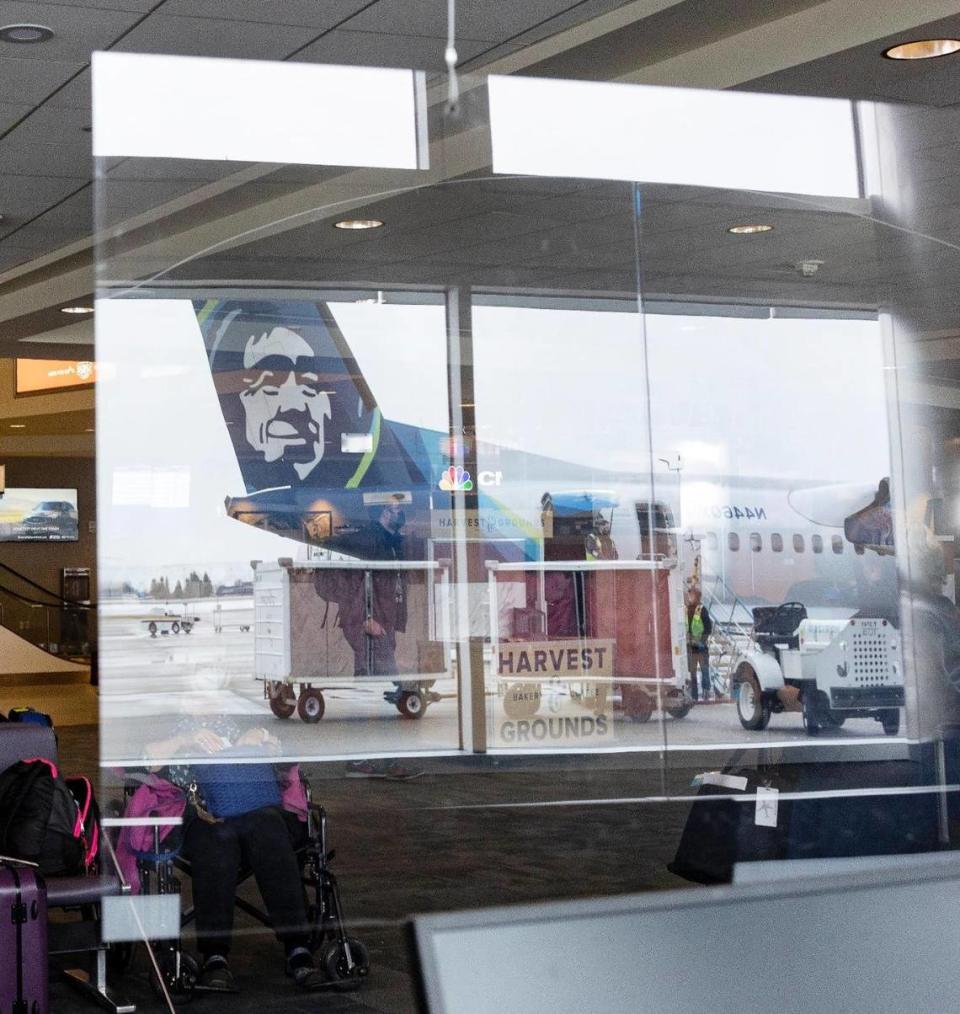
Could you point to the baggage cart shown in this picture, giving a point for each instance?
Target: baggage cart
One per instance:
(302, 649)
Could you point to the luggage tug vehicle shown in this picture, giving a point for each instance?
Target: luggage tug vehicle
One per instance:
(830, 670)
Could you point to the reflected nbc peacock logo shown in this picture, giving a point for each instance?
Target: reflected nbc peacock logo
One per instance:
(456, 478)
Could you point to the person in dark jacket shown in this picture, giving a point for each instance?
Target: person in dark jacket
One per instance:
(373, 611)
(699, 628)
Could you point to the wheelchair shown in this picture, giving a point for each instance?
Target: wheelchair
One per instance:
(343, 958)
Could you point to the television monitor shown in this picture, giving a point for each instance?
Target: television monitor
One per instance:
(39, 515)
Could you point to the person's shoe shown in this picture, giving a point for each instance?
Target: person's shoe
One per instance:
(362, 769)
(216, 977)
(398, 773)
(369, 769)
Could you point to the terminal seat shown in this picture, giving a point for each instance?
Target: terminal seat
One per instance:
(79, 893)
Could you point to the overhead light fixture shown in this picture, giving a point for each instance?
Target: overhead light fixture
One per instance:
(749, 230)
(922, 49)
(89, 429)
(25, 33)
(76, 309)
(358, 223)
(18, 426)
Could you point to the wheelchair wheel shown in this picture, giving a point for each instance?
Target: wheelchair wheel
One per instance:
(180, 987)
(333, 960)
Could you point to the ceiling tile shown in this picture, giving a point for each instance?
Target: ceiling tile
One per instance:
(210, 37)
(74, 95)
(376, 49)
(492, 22)
(22, 197)
(320, 16)
(10, 113)
(32, 81)
(77, 30)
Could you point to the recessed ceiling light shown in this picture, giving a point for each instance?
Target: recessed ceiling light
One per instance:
(18, 426)
(89, 429)
(749, 230)
(76, 309)
(358, 223)
(922, 49)
(25, 33)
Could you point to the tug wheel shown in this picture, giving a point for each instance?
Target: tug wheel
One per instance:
(752, 709)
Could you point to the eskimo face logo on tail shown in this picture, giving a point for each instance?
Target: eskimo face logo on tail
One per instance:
(456, 478)
(285, 409)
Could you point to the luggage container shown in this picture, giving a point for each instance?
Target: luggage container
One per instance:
(23, 938)
(311, 622)
(619, 639)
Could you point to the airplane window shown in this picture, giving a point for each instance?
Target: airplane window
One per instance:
(756, 542)
(733, 541)
(837, 542)
(816, 543)
(776, 542)
(798, 543)
(712, 542)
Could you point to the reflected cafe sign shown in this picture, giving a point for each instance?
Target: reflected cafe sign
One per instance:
(36, 375)
(472, 525)
(555, 693)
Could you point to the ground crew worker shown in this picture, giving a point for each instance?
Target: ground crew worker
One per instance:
(598, 543)
(699, 627)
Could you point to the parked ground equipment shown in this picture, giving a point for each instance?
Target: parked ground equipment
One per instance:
(829, 670)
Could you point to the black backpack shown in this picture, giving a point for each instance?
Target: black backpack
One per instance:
(41, 820)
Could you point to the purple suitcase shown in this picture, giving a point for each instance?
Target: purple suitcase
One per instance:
(23, 940)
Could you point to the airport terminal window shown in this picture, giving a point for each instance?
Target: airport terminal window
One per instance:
(756, 542)
(836, 541)
(733, 541)
(816, 543)
(797, 543)
(776, 542)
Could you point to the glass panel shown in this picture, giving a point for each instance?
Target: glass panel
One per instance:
(399, 462)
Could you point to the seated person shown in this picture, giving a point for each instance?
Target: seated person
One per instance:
(217, 842)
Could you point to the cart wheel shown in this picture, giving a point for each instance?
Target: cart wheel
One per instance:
(152, 627)
(187, 627)
(680, 712)
(638, 706)
(175, 627)
(752, 709)
(311, 706)
(811, 720)
(521, 700)
(283, 705)
(412, 704)
(180, 988)
(831, 718)
(890, 719)
(333, 960)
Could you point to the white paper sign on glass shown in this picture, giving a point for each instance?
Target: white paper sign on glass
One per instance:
(257, 111)
(731, 140)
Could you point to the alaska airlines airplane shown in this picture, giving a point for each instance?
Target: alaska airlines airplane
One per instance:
(319, 461)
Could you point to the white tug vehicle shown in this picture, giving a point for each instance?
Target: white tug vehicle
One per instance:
(830, 670)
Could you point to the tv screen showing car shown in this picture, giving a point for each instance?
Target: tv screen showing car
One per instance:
(39, 515)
